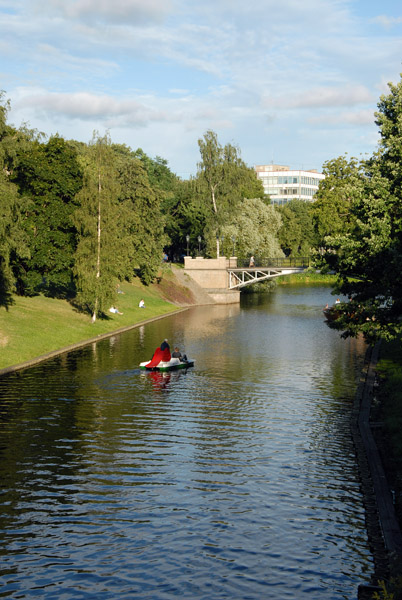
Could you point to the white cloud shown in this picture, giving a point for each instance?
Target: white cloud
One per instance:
(386, 21)
(358, 118)
(87, 106)
(133, 12)
(319, 97)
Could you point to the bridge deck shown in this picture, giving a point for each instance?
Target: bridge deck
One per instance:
(242, 276)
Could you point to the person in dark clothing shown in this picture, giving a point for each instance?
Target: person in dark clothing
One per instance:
(165, 345)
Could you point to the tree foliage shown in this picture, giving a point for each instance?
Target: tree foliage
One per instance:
(50, 176)
(13, 244)
(97, 260)
(297, 235)
(333, 201)
(253, 229)
(141, 220)
(223, 182)
(367, 256)
(227, 178)
(186, 213)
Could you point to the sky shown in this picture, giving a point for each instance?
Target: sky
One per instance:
(291, 82)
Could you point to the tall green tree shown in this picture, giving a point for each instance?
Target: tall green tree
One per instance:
(253, 229)
(367, 258)
(224, 180)
(49, 175)
(186, 213)
(13, 244)
(212, 164)
(97, 259)
(141, 219)
(226, 176)
(332, 213)
(297, 235)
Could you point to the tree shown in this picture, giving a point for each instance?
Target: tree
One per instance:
(254, 228)
(159, 174)
(297, 235)
(141, 220)
(186, 213)
(50, 176)
(97, 261)
(227, 177)
(368, 256)
(333, 200)
(226, 180)
(12, 238)
(12, 206)
(211, 165)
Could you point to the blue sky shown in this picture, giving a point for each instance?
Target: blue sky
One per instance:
(291, 82)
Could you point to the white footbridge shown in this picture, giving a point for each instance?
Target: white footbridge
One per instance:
(223, 279)
(240, 277)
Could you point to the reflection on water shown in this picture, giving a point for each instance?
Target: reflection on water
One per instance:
(234, 479)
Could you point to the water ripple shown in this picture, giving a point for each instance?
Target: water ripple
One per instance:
(236, 479)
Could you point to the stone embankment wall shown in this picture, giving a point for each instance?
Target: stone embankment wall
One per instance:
(383, 530)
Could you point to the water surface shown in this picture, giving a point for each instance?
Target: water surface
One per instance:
(236, 479)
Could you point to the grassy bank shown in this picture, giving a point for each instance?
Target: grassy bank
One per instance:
(34, 326)
(308, 277)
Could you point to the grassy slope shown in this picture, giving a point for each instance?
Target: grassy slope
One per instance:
(308, 277)
(34, 326)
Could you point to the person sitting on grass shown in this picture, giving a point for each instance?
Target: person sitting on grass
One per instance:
(141, 303)
(115, 310)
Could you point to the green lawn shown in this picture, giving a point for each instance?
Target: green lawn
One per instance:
(310, 276)
(34, 326)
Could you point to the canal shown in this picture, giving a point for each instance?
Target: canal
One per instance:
(236, 479)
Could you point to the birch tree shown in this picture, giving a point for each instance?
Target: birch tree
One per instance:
(97, 223)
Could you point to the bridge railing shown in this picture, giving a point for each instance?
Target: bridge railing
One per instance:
(297, 261)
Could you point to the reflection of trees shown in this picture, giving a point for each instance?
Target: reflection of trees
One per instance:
(88, 437)
(64, 423)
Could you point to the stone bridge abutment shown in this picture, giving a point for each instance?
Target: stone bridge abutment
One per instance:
(212, 275)
(222, 279)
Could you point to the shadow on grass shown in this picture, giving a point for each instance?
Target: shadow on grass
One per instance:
(6, 298)
(84, 310)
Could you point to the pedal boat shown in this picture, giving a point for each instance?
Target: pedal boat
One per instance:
(172, 365)
(331, 313)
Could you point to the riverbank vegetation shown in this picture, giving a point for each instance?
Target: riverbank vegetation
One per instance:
(364, 247)
(309, 277)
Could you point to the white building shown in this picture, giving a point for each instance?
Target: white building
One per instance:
(283, 184)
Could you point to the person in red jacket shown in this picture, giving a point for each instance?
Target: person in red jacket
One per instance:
(161, 354)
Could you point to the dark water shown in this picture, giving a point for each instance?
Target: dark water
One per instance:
(236, 479)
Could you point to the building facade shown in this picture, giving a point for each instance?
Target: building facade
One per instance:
(283, 184)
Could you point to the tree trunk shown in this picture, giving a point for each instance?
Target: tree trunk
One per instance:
(98, 245)
(213, 199)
